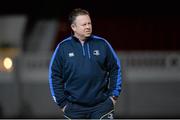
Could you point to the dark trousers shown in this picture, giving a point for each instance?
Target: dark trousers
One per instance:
(104, 110)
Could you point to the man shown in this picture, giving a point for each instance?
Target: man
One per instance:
(85, 73)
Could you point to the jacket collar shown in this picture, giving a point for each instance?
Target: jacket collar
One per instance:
(77, 40)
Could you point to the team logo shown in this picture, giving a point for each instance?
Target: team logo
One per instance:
(96, 52)
(71, 54)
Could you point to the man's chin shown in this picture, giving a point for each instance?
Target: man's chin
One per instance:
(88, 35)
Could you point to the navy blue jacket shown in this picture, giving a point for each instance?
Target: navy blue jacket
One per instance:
(84, 74)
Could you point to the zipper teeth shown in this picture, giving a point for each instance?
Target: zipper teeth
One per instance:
(88, 51)
(83, 49)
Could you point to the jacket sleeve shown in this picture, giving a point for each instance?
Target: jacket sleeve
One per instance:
(56, 81)
(114, 69)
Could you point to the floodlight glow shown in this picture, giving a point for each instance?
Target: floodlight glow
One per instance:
(7, 62)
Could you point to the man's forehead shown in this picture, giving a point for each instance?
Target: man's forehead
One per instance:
(82, 18)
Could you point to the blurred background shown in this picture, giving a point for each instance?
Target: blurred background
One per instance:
(146, 37)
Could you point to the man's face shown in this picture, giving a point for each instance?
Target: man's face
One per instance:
(82, 27)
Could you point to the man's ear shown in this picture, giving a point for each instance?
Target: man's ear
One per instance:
(72, 26)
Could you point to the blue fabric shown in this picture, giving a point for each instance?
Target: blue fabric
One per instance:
(84, 74)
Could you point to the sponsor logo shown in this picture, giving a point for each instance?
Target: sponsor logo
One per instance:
(110, 116)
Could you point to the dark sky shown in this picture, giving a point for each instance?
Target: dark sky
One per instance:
(128, 25)
(100, 8)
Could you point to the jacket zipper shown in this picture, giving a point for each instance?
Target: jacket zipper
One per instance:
(88, 51)
(83, 49)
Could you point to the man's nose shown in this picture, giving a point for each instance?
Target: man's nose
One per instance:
(88, 26)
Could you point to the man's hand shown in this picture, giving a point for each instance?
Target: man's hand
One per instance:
(114, 101)
(63, 109)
